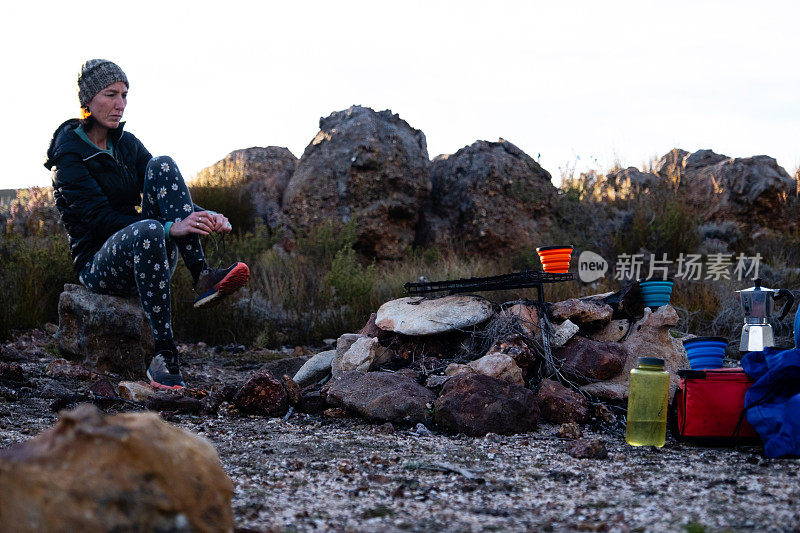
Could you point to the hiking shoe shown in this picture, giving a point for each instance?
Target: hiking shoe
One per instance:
(164, 371)
(214, 284)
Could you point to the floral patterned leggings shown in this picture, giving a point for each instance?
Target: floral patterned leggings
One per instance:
(139, 257)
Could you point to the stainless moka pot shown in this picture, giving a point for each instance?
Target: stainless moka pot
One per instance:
(758, 304)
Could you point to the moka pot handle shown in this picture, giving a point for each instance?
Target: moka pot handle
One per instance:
(783, 293)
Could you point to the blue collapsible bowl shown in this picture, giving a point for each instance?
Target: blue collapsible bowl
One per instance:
(656, 292)
(705, 352)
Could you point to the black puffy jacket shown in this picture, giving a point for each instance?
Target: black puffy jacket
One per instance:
(96, 194)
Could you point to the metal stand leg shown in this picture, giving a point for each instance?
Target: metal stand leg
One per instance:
(545, 325)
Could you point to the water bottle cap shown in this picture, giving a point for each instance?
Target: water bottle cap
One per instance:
(654, 361)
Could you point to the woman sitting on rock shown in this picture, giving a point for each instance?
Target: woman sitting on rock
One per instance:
(101, 174)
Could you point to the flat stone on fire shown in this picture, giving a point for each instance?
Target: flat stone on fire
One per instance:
(416, 316)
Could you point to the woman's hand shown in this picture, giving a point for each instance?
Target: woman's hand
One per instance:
(201, 223)
(221, 223)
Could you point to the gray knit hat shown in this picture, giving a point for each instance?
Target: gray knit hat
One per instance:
(96, 75)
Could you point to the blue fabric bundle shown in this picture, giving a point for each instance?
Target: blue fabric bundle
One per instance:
(772, 403)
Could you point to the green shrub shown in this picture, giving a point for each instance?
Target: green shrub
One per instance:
(321, 243)
(661, 222)
(33, 272)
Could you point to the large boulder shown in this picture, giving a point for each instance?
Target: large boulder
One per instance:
(475, 405)
(127, 472)
(368, 166)
(649, 337)
(413, 316)
(262, 172)
(383, 396)
(108, 333)
(748, 190)
(489, 196)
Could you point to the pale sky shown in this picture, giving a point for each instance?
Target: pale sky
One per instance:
(560, 79)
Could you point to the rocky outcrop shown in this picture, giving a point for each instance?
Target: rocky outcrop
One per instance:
(670, 165)
(490, 196)
(413, 316)
(128, 472)
(744, 189)
(107, 333)
(625, 183)
(383, 396)
(262, 172)
(475, 405)
(368, 166)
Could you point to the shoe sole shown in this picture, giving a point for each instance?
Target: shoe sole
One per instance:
(157, 385)
(232, 282)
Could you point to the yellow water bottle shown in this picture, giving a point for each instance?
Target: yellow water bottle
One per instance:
(648, 396)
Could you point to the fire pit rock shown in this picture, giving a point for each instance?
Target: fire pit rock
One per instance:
(362, 355)
(475, 405)
(108, 333)
(383, 396)
(315, 368)
(559, 404)
(129, 472)
(501, 366)
(586, 313)
(262, 394)
(649, 337)
(586, 360)
(415, 316)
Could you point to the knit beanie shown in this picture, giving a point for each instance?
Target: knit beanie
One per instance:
(96, 75)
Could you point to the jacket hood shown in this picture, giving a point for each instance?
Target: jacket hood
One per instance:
(66, 140)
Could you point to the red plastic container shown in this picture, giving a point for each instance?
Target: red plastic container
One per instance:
(709, 407)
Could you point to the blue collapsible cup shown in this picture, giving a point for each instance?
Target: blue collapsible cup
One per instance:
(656, 292)
(705, 352)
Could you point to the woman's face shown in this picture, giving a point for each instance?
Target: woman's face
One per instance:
(108, 105)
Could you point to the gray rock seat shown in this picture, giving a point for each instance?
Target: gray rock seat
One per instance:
(107, 333)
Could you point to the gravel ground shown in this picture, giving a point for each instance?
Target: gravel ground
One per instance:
(318, 473)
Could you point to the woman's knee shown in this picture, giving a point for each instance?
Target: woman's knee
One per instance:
(161, 164)
(149, 229)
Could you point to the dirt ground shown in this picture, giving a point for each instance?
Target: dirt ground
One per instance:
(318, 473)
